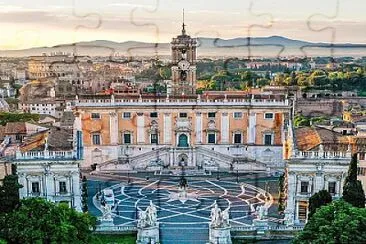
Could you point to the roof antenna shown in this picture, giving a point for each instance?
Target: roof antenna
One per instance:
(184, 29)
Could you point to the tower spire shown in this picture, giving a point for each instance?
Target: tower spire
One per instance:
(183, 26)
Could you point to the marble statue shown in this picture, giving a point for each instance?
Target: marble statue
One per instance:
(107, 212)
(262, 212)
(215, 215)
(148, 218)
(220, 218)
(226, 217)
(142, 219)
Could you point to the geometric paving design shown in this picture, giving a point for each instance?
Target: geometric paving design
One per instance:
(243, 199)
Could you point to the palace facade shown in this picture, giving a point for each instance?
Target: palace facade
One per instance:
(317, 159)
(215, 130)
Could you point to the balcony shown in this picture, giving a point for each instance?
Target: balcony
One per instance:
(44, 155)
(321, 155)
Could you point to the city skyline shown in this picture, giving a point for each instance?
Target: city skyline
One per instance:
(34, 24)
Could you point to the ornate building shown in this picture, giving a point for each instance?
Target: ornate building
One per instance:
(317, 159)
(48, 166)
(216, 130)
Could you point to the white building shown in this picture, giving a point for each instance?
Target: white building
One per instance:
(51, 170)
(317, 159)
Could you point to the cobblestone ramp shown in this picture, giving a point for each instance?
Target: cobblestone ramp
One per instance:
(184, 234)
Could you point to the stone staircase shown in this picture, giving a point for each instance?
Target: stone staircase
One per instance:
(184, 233)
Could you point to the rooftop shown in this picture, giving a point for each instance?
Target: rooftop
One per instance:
(310, 138)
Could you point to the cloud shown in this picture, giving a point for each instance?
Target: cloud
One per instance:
(132, 5)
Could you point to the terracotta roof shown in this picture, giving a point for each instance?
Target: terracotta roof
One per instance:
(15, 128)
(34, 141)
(2, 132)
(306, 138)
(309, 138)
(58, 140)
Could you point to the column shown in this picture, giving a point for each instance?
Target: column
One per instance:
(76, 189)
(23, 192)
(251, 128)
(113, 128)
(167, 138)
(50, 186)
(290, 207)
(297, 212)
(225, 128)
(199, 128)
(140, 128)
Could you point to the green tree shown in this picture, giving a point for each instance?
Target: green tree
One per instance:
(40, 221)
(337, 222)
(6, 117)
(9, 194)
(84, 194)
(352, 191)
(317, 200)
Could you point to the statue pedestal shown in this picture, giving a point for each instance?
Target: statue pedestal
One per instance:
(106, 222)
(220, 235)
(148, 235)
(261, 225)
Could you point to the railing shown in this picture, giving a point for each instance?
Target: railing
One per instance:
(320, 155)
(215, 154)
(116, 228)
(45, 155)
(101, 228)
(180, 102)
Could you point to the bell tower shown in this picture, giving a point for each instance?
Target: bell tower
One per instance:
(183, 64)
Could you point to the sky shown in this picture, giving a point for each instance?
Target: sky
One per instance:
(35, 23)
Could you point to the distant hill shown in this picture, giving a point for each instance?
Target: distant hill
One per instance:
(259, 46)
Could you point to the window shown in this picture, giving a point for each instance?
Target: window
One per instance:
(304, 187)
(361, 171)
(332, 187)
(127, 138)
(154, 138)
(96, 139)
(212, 115)
(238, 115)
(211, 138)
(268, 139)
(95, 116)
(268, 115)
(62, 186)
(361, 156)
(35, 187)
(237, 138)
(126, 115)
(183, 115)
(153, 115)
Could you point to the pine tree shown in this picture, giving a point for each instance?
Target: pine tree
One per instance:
(317, 200)
(352, 191)
(9, 194)
(84, 194)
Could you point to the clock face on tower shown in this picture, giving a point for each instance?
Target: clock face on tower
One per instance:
(184, 65)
